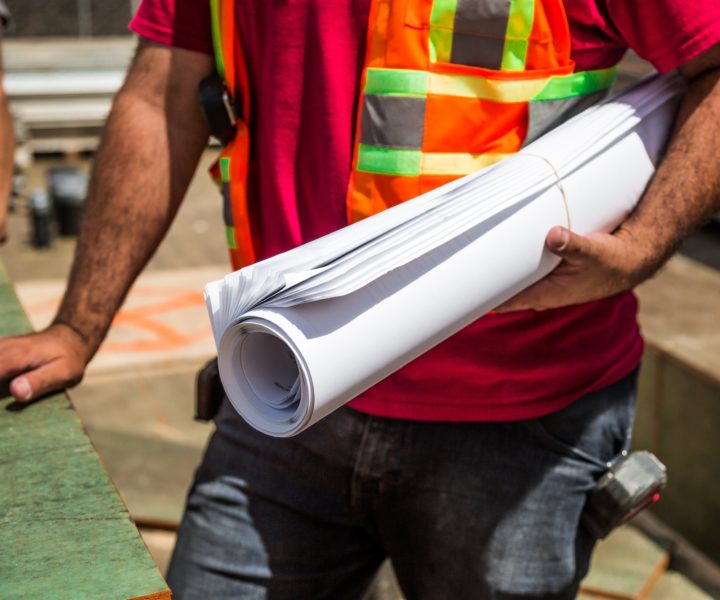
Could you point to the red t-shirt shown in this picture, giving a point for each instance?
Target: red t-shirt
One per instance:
(304, 59)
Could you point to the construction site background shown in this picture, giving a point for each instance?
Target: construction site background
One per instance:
(136, 401)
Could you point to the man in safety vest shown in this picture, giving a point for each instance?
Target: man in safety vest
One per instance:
(470, 466)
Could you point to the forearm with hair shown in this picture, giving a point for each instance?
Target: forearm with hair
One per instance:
(149, 152)
(685, 191)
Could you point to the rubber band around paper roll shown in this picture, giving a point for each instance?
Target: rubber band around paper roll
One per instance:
(558, 183)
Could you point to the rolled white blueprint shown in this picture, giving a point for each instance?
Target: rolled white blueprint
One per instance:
(302, 333)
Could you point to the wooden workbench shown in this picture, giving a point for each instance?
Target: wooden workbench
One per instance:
(64, 531)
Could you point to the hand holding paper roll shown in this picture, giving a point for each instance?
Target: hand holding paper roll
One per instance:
(594, 266)
(304, 332)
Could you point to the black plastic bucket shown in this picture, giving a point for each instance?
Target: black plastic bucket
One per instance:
(68, 188)
(41, 217)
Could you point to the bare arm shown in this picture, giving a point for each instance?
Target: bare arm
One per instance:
(683, 194)
(150, 149)
(7, 148)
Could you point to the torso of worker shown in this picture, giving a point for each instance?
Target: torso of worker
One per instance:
(346, 119)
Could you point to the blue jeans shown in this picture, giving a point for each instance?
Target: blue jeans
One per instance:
(463, 510)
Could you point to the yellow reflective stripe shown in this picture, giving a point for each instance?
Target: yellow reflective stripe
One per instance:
(514, 55)
(225, 169)
(389, 161)
(458, 163)
(556, 87)
(442, 22)
(396, 82)
(472, 86)
(217, 37)
(577, 84)
(398, 162)
(230, 238)
(406, 82)
(520, 22)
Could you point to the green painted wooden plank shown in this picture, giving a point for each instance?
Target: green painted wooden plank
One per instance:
(64, 532)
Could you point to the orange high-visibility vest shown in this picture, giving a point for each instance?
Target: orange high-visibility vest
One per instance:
(448, 87)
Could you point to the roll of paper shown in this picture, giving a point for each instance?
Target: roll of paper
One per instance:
(302, 333)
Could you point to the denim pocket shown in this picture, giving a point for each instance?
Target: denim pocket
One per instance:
(595, 429)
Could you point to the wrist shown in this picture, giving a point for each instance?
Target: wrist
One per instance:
(645, 248)
(75, 336)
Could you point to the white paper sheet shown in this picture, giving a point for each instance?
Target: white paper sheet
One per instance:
(304, 332)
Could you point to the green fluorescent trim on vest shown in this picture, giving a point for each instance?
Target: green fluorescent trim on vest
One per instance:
(519, 26)
(514, 55)
(230, 236)
(389, 161)
(442, 22)
(217, 37)
(577, 84)
(225, 169)
(396, 82)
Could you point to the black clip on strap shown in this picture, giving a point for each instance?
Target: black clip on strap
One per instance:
(217, 108)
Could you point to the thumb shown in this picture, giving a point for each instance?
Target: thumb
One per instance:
(47, 378)
(568, 245)
(21, 389)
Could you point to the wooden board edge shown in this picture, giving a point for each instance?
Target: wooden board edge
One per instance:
(655, 576)
(601, 593)
(164, 595)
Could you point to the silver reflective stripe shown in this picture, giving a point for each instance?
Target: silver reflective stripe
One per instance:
(477, 51)
(544, 115)
(393, 122)
(479, 33)
(227, 210)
